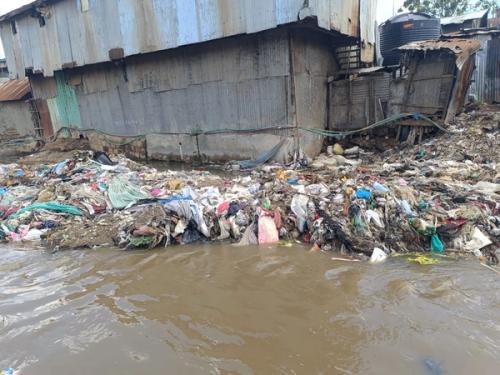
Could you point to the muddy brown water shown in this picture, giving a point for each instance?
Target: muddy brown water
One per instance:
(217, 309)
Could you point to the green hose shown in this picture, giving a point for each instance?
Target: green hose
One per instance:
(320, 132)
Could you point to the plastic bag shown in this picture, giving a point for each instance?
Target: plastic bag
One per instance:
(364, 194)
(378, 256)
(375, 217)
(299, 208)
(268, 234)
(437, 246)
(379, 188)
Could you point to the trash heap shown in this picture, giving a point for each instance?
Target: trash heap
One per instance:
(440, 196)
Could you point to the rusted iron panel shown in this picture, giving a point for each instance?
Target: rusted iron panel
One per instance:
(76, 36)
(44, 115)
(14, 90)
(462, 48)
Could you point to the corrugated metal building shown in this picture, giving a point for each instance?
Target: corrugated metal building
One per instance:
(187, 74)
(15, 110)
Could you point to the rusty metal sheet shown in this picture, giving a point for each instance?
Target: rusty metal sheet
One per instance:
(462, 48)
(14, 90)
(74, 36)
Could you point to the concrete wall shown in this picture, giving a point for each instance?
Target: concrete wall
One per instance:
(15, 120)
(239, 95)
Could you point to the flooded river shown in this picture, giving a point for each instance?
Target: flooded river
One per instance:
(224, 310)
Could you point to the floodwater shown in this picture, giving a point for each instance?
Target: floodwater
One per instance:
(217, 309)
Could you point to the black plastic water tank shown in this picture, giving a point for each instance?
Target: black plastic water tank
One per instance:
(406, 28)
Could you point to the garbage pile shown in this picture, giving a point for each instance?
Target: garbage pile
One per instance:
(440, 196)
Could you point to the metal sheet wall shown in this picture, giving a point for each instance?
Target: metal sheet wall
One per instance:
(241, 83)
(479, 82)
(493, 71)
(76, 36)
(360, 102)
(367, 15)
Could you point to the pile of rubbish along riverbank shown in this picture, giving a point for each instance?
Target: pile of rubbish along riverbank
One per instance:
(442, 196)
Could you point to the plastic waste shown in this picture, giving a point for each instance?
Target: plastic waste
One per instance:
(266, 203)
(249, 237)
(437, 246)
(191, 235)
(60, 168)
(123, 193)
(423, 260)
(432, 367)
(405, 206)
(299, 208)
(364, 194)
(33, 235)
(102, 158)
(50, 206)
(19, 173)
(379, 188)
(478, 241)
(8, 371)
(338, 149)
(373, 216)
(268, 234)
(317, 189)
(353, 151)
(378, 256)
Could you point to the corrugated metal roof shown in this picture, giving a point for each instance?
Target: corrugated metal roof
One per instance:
(456, 20)
(463, 48)
(14, 90)
(456, 46)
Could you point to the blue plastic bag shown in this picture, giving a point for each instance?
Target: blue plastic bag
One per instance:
(379, 188)
(364, 194)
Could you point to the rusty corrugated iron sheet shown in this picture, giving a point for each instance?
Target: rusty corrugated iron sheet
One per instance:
(14, 90)
(462, 48)
(76, 35)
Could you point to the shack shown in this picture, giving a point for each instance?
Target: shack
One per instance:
(186, 79)
(16, 120)
(436, 77)
(472, 20)
(432, 79)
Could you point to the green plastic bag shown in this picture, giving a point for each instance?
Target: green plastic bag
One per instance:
(437, 246)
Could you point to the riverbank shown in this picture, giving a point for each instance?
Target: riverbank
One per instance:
(441, 196)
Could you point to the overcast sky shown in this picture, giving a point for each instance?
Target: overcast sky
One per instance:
(384, 11)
